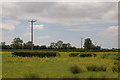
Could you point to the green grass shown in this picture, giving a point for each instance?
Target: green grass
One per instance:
(57, 67)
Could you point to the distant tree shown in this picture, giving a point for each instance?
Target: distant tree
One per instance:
(27, 45)
(66, 46)
(73, 48)
(43, 47)
(59, 44)
(96, 47)
(88, 44)
(2, 45)
(53, 45)
(69, 45)
(17, 43)
(36, 47)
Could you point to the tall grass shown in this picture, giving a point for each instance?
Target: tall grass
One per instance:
(96, 68)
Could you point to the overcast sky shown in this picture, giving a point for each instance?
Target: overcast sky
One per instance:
(66, 21)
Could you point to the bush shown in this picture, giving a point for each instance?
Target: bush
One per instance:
(88, 55)
(96, 68)
(103, 56)
(116, 63)
(73, 54)
(36, 54)
(75, 69)
(118, 57)
(82, 54)
(116, 68)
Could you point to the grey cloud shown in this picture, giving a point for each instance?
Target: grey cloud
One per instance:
(63, 13)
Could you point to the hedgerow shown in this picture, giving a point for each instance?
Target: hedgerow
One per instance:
(73, 54)
(36, 54)
(82, 54)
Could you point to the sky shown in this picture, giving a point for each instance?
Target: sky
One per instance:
(66, 21)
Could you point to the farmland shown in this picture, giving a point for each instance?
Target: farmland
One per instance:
(57, 67)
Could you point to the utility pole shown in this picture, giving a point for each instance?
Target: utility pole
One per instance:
(81, 42)
(32, 21)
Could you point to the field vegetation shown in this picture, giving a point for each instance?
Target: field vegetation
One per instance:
(63, 66)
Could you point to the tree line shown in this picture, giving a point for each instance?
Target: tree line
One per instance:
(18, 43)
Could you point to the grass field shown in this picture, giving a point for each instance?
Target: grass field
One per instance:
(56, 67)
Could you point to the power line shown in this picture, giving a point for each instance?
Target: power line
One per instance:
(32, 21)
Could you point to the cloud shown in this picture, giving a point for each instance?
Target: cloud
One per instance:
(86, 29)
(63, 13)
(108, 37)
(26, 34)
(44, 37)
(61, 1)
(9, 25)
(110, 31)
(40, 27)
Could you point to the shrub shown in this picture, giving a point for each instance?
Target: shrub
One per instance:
(94, 55)
(116, 63)
(96, 68)
(36, 54)
(103, 56)
(73, 54)
(82, 54)
(118, 57)
(116, 68)
(85, 55)
(75, 69)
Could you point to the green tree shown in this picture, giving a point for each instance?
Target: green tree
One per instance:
(66, 46)
(4, 46)
(17, 43)
(96, 47)
(27, 45)
(43, 47)
(59, 44)
(69, 45)
(88, 44)
(53, 45)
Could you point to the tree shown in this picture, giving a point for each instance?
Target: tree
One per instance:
(53, 45)
(96, 47)
(59, 44)
(69, 45)
(66, 46)
(88, 44)
(2, 45)
(27, 45)
(36, 47)
(43, 47)
(17, 43)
